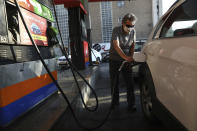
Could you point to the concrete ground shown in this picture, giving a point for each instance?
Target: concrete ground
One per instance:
(121, 119)
(44, 115)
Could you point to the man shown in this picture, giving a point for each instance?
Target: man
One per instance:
(122, 49)
(51, 34)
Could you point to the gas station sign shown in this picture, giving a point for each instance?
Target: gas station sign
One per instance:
(82, 1)
(37, 27)
(36, 7)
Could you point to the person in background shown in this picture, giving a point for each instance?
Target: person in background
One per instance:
(51, 34)
(122, 49)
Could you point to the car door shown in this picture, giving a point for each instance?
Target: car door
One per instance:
(173, 59)
(152, 48)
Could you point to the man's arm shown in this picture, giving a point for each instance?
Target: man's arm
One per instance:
(132, 50)
(120, 52)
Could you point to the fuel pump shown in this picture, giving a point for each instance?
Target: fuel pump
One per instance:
(77, 32)
(73, 67)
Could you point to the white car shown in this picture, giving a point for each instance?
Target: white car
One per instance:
(102, 47)
(63, 63)
(96, 56)
(169, 85)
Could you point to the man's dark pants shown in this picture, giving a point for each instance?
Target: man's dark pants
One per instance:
(114, 81)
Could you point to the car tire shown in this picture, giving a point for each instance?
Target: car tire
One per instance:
(98, 60)
(147, 92)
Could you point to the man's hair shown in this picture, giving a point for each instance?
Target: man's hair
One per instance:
(131, 17)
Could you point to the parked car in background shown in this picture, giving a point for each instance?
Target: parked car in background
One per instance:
(105, 57)
(103, 48)
(96, 56)
(97, 47)
(169, 86)
(63, 63)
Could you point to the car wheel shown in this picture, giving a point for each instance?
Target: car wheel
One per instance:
(146, 100)
(147, 92)
(98, 60)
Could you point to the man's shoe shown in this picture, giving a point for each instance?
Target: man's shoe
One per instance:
(115, 104)
(132, 108)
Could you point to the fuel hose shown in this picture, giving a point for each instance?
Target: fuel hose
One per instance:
(73, 69)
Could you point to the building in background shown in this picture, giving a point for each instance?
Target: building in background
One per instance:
(106, 21)
(106, 15)
(62, 15)
(159, 7)
(166, 4)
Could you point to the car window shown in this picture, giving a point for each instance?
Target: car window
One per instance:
(157, 29)
(182, 22)
(174, 4)
(159, 25)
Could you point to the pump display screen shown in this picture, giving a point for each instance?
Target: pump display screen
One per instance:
(83, 30)
(37, 8)
(37, 27)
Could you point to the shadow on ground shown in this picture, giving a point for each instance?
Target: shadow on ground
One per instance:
(121, 119)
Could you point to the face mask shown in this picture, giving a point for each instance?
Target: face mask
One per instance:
(127, 30)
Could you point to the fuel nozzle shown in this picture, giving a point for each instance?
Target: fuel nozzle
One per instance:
(139, 57)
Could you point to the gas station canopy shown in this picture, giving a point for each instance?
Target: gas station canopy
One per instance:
(79, 3)
(71, 3)
(106, 0)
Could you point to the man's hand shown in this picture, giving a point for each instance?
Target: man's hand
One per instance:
(129, 58)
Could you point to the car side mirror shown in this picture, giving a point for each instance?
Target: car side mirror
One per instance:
(183, 32)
